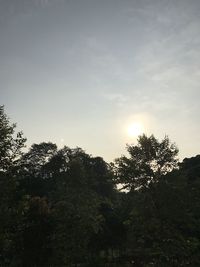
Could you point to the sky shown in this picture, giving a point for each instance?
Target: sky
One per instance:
(80, 72)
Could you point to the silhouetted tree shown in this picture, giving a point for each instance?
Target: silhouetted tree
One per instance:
(148, 161)
(10, 151)
(10, 143)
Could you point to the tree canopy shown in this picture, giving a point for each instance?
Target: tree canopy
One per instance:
(10, 143)
(147, 162)
(61, 207)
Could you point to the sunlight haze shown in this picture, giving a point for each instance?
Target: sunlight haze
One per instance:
(81, 73)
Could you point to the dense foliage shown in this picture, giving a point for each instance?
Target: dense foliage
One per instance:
(61, 207)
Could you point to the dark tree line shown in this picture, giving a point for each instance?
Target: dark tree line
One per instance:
(62, 207)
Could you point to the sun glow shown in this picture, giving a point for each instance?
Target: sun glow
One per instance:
(134, 129)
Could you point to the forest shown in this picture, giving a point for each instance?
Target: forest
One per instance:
(66, 208)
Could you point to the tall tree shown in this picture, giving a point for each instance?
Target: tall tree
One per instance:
(148, 161)
(11, 143)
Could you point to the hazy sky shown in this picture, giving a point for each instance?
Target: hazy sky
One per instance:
(78, 72)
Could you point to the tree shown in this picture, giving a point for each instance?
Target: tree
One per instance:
(75, 210)
(36, 158)
(148, 161)
(10, 143)
(10, 151)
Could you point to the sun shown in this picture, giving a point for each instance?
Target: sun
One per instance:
(134, 129)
